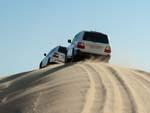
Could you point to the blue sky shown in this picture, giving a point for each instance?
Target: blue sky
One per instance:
(28, 28)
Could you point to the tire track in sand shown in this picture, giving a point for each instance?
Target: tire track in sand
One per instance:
(126, 89)
(142, 87)
(115, 94)
(96, 93)
(36, 102)
(108, 104)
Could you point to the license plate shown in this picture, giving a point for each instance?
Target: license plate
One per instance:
(93, 47)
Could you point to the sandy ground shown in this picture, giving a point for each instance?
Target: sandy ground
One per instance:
(86, 87)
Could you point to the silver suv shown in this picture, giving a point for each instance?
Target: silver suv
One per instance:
(56, 55)
(88, 43)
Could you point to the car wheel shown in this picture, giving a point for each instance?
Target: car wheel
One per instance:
(67, 60)
(48, 62)
(40, 66)
(73, 56)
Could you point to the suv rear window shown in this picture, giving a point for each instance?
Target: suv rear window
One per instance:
(62, 49)
(96, 37)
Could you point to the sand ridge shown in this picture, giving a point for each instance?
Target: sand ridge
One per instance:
(85, 87)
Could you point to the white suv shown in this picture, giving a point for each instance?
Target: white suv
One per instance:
(88, 43)
(56, 55)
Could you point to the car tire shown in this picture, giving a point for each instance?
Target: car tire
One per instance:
(73, 55)
(40, 66)
(48, 62)
(72, 59)
(68, 60)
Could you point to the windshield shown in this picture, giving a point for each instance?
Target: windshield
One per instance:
(96, 37)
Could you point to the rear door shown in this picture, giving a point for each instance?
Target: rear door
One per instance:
(62, 51)
(95, 42)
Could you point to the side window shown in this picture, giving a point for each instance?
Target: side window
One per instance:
(55, 49)
(75, 38)
(51, 51)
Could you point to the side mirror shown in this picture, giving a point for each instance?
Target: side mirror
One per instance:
(69, 41)
(44, 54)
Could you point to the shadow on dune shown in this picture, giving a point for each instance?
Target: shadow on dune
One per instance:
(14, 76)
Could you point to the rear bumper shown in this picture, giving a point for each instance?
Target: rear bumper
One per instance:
(81, 53)
(79, 56)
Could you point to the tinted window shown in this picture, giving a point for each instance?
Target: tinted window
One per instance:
(62, 49)
(75, 38)
(51, 51)
(95, 37)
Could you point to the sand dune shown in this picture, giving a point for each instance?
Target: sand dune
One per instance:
(86, 87)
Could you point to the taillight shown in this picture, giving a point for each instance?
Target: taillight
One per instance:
(107, 49)
(80, 45)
